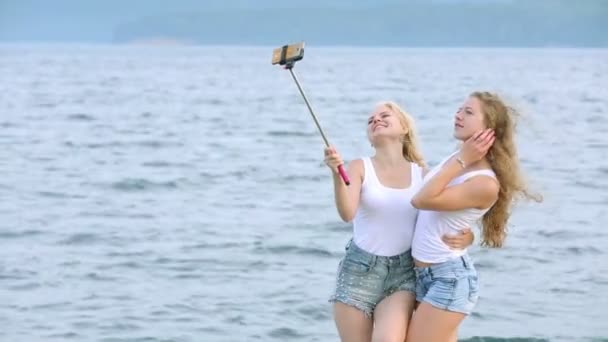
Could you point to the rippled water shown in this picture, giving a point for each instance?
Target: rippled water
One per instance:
(178, 194)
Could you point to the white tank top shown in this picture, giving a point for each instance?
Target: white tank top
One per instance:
(432, 225)
(385, 219)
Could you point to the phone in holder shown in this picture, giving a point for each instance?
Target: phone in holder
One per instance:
(288, 54)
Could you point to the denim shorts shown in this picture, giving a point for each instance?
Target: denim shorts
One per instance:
(450, 285)
(364, 279)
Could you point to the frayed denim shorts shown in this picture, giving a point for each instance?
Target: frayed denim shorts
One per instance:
(451, 285)
(364, 279)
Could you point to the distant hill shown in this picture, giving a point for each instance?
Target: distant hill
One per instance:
(521, 23)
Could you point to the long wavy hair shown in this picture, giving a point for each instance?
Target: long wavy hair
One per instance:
(504, 161)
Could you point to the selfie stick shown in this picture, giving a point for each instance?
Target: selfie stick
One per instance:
(289, 66)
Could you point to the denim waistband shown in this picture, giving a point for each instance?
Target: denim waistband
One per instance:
(403, 258)
(463, 263)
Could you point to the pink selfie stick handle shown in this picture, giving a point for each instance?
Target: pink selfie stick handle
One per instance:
(343, 175)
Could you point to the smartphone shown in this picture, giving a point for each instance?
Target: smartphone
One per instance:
(288, 54)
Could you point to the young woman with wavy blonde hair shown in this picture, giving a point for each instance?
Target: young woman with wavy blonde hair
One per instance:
(477, 183)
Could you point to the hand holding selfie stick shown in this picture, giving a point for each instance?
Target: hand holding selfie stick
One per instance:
(288, 55)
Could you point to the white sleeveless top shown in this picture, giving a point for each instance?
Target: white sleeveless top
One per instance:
(385, 219)
(432, 225)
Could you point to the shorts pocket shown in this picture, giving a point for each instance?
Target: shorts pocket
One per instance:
(356, 265)
(443, 290)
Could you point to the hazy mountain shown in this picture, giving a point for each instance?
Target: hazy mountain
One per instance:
(337, 22)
